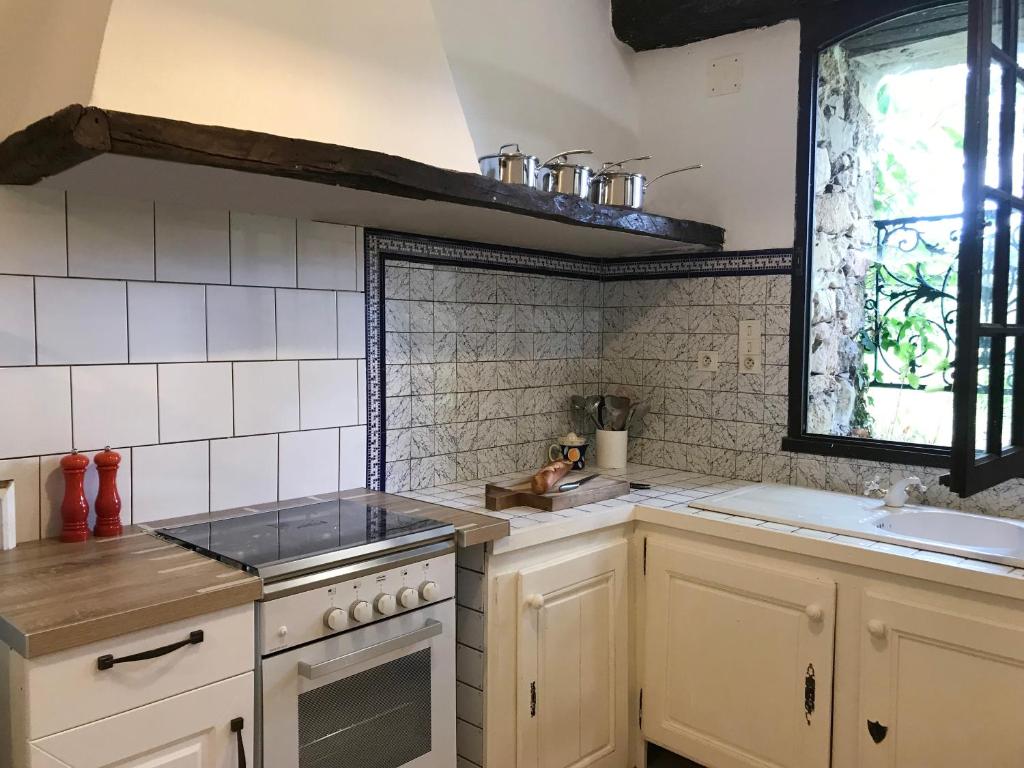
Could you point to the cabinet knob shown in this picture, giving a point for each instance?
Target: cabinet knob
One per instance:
(535, 601)
(814, 612)
(877, 628)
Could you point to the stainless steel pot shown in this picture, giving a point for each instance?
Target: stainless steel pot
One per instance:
(625, 188)
(510, 167)
(559, 175)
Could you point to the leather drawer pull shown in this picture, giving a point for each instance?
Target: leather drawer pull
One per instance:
(108, 661)
(236, 728)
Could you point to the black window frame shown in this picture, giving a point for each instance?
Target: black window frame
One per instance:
(820, 28)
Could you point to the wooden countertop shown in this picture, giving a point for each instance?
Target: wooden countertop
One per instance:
(55, 596)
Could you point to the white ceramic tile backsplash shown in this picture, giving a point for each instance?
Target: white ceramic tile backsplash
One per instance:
(240, 323)
(262, 250)
(110, 237)
(176, 420)
(328, 396)
(170, 481)
(327, 255)
(308, 463)
(196, 401)
(266, 397)
(114, 405)
(17, 321)
(243, 470)
(32, 231)
(351, 325)
(166, 322)
(307, 324)
(353, 457)
(35, 411)
(192, 244)
(81, 321)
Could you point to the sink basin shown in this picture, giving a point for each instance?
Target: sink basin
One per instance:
(981, 534)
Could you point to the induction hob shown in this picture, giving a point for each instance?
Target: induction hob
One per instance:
(309, 536)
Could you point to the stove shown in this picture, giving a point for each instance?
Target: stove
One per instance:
(306, 536)
(355, 632)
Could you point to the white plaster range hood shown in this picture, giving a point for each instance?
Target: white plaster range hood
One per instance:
(333, 110)
(370, 75)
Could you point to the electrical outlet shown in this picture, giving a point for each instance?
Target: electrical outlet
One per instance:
(750, 363)
(707, 361)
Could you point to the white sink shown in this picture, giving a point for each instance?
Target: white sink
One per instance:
(981, 534)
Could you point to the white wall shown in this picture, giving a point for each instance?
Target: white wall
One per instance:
(549, 75)
(364, 74)
(220, 352)
(48, 54)
(746, 140)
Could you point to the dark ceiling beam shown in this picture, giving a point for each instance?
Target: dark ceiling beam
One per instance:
(648, 24)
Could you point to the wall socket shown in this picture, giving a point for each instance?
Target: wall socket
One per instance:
(707, 361)
(750, 363)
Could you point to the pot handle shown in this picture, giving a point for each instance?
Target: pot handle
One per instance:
(503, 147)
(669, 173)
(566, 154)
(609, 166)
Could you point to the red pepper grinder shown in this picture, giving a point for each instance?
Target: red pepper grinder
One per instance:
(108, 500)
(74, 510)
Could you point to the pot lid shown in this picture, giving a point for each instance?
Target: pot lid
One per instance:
(502, 153)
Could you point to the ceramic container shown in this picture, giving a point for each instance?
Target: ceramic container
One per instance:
(611, 448)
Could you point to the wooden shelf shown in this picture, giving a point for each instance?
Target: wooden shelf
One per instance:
(118, 153)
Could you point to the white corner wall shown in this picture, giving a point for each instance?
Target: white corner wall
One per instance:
(549, 75)
(746, 140)
(365, 74)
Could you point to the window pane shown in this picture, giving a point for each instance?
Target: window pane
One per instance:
(888, 213)
(1011, 347)
(981, 409)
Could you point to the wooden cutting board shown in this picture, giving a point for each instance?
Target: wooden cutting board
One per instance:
(501, 496)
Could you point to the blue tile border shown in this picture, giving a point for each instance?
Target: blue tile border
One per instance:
(381, 246)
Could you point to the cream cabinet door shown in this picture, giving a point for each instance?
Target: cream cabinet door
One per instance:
(738, 663)
(942, 683)
(573, 662)
(191, 730)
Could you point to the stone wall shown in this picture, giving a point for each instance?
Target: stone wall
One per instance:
(844, 242)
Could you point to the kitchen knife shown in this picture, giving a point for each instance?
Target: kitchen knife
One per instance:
(575, 484)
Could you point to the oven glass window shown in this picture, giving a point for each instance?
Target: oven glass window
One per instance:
(379, 718)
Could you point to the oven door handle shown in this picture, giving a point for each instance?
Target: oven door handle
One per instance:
(314, 671)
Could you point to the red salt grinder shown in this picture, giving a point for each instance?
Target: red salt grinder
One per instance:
(108, 500)
(74, 509)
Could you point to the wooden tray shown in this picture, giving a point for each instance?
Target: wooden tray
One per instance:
(501, 496)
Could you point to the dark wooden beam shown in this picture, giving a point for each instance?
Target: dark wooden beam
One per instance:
(77, 134)
(648, 24)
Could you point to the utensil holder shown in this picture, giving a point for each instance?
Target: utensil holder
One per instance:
(611, 448)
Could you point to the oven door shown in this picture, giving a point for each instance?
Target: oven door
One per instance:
(381, 696)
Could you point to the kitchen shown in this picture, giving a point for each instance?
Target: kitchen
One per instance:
(336, 436)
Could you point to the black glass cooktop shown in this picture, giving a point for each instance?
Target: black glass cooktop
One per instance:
(261, 541)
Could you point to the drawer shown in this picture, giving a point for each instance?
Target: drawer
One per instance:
(193, 728)
(66, 689)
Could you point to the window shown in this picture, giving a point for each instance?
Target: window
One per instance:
(909, 232)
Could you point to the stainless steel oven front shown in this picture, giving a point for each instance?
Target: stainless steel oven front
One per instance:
(375, 695)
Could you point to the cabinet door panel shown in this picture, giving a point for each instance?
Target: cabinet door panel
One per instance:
(191, 730)
(729, 648)
(573, 660)
(947, 686)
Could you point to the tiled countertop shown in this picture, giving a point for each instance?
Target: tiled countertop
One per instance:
(669, 503)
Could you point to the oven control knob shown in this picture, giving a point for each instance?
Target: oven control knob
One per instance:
(361, 611)
(429, 591)
(385, 604)
(336, 618)
(408, 597)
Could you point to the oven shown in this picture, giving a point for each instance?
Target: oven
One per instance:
(355, 632)
(378, 697)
